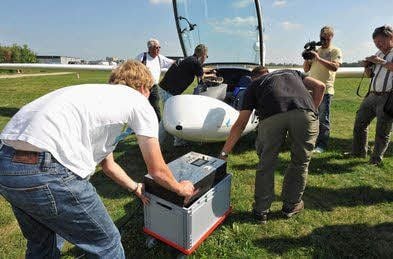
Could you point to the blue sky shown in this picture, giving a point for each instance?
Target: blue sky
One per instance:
(96, 29)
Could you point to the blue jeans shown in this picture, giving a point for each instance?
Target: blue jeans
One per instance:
(324, 122)
(51, 203)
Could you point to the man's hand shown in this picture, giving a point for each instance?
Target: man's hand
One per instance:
(375, 59)
(315, 55)
(186, 188)
(139, 193)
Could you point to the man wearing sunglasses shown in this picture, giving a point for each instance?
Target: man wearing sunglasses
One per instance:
(155, 62)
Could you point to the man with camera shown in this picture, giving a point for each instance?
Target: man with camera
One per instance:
(380, 68)
(322, 64)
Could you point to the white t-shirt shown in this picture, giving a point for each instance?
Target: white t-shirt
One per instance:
(153, 64)
(81, 125)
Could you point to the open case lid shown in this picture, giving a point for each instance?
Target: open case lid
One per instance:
(232, 30)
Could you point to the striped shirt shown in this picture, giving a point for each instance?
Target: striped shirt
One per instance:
(383, 78)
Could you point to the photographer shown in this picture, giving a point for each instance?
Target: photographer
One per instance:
(381, 65)
(322, 65)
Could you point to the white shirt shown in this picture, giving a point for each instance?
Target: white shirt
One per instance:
(383, 78)
(153, 64)
(81, 125)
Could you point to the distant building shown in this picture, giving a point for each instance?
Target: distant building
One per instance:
(59, 60)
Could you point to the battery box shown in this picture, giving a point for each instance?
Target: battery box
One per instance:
(186, 228)
(202, 170)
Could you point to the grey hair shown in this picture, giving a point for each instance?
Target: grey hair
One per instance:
(153, 42)
(385, 31)
(200, 50)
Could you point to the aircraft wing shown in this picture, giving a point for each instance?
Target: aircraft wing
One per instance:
(342, 71)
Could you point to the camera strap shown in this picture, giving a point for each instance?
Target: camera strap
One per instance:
(360, 85)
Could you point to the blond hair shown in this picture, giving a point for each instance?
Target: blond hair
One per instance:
(133, 74)
(327, 30)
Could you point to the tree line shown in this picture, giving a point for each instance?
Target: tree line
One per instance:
(17, 54)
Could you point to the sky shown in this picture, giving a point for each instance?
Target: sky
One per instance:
(95, 29)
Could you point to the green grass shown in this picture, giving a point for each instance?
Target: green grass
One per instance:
(349, 203)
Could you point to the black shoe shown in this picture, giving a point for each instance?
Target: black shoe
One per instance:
(260, 216)
(291, 211)
(375, 161)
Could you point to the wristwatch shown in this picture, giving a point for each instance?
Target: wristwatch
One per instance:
(224, 154)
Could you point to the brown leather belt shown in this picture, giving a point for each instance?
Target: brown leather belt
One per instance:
(378, 93)
(25, 157)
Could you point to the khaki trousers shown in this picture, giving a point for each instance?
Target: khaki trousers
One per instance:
(302, 128)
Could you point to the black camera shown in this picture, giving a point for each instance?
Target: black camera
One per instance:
(310, 46)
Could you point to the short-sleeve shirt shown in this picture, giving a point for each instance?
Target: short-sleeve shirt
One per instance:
(181, 75)
(320, 72)
(383, 78)
(155, 64)
(81, 125)
(278, 92)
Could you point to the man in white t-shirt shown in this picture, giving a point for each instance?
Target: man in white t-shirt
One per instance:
(51, 147)
(155, 62)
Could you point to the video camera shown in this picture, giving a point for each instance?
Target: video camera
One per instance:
(310, 46)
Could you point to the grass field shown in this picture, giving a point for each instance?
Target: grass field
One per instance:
(349, 203)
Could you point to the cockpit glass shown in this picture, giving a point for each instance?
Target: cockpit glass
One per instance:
(229, 28)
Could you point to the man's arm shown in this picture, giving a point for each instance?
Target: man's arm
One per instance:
(331, 65)
(159, 170)
(166, 62)
(307, 65)
(377, 60)
(119, 176)
(317, 89)
(236, 131)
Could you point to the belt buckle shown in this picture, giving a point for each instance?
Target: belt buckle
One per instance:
(25, 157)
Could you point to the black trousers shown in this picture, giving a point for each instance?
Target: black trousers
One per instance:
(154, 100)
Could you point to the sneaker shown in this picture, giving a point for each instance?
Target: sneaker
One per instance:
(318, 150)
(291, 211)
(260, 216)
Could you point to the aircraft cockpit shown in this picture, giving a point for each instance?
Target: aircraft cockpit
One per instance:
(232, 31)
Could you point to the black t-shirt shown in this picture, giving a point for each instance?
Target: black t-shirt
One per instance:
(278, 92)
(181, 74)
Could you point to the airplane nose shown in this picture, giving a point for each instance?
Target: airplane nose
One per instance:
(179, 127)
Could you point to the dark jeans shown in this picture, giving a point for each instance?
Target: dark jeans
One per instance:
(51, 203)
(324, 122)
(154, 100)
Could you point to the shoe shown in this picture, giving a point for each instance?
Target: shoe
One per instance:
(318, 150)
(291, 211)
(375, 161)
(260, 216)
